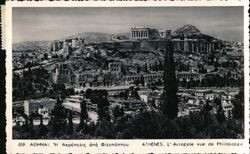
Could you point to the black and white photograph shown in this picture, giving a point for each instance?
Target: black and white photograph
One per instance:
(127, 73)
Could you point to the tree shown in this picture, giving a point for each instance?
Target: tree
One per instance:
(134, 93)
(43, 130)
(88, 93)
(105, 129)
(169, 105)
(160, 65)
(186, 127)
(123, 70)
(138, 69)
(220, 112)
(124, 94)
(146, 67)
(41, 119)
(142, 81)
(58, 119)
(146, 124)
(31, 120)
(83, 114)
(102, 104)
(69, 129)
(118, 111)
(170, 129)
(184, 82)
(45, 56)
(237, 113)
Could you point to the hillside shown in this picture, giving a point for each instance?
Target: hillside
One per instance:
(36, 45)
(192, 32)
(92, 36)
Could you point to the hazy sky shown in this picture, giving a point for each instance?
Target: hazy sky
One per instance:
(32, 24)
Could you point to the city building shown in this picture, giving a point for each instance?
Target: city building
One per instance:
(57, 45)
(147, 77)
(114, 67)
(130, 105)
(63, 73)
(42, 107)
(188, 76)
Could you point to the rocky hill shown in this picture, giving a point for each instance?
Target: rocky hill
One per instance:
(192, 32)
(92, 36)
(187, 30)
(36, 46)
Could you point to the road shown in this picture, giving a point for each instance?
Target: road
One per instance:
(35, 67)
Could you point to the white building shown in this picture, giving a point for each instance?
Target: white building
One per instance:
(42, 106)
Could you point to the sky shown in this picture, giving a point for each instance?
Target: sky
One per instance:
(34, 24)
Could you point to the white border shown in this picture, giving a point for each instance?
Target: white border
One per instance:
(135, 145)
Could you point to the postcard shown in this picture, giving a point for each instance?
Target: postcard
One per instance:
(127, 77)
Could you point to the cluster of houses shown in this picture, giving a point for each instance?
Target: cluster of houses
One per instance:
(190, 100)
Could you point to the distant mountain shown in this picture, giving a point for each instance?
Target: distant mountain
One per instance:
(36, 45)
(192, 32)
(46, 45)
(92, 36)
(125, 34)
(187, 30)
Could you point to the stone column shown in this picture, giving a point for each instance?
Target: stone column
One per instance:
(207, 47)
(192, 47)
(197, 48)
(210, 47)
(204, 47)
(185, 46)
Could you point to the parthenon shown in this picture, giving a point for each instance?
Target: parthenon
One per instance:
(140, 32)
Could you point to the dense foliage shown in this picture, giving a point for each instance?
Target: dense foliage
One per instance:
(144, 125)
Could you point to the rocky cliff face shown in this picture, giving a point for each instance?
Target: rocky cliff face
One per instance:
(187, 30)
(192, 32)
